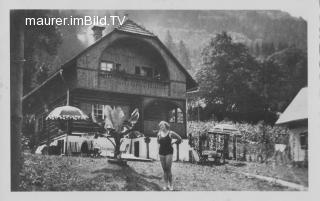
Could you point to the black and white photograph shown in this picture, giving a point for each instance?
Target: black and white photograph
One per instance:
(159, 100)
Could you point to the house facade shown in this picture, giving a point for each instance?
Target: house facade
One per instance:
(295, 118)
(129, 67)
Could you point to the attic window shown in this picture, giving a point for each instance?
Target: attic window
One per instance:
(137, 70)
(118, 67)
(106, 66)
(146, 71)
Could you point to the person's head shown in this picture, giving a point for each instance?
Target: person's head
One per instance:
(163, 125)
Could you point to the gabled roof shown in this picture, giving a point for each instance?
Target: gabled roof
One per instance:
(297, 109)
(132, 27)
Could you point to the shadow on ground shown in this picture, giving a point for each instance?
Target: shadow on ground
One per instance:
(133, 180)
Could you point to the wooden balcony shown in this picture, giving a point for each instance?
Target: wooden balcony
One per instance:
(122, 83)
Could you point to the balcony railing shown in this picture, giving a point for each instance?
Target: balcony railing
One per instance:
(127, 83)
(123, 83)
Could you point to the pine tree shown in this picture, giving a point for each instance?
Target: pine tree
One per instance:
(184, 55)
(170, 44)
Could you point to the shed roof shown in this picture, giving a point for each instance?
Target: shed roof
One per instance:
(297, 109)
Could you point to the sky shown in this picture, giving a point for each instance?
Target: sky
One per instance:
(297, 12)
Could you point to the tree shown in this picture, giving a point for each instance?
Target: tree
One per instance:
(169, 43)
(227, 79)
(282, 45)
(42, 74)
(16, 73)
(285, 73)
(41, 43)
(119, 128)
(23, 40)
(184, 55)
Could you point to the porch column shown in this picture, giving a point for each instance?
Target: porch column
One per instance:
(141, 111)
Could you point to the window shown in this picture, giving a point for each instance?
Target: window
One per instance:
(304, 140)
(176, 116)
(172, 116)
(137, 70)
(98, 111)
(156, 75)
(118, 67)
(146, 71)
(179, 116)
(106, 66)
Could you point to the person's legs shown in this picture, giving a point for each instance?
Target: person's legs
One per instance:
(168, 168)
(163, 164)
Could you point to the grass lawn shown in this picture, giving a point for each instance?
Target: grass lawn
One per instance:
(281, 171)
(61, 173)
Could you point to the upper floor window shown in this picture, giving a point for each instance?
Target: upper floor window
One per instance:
(137, 70)
(157, 75)
(118, 67)
(144, 71)
(106, 66)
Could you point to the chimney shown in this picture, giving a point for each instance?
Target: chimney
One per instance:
(97, 32)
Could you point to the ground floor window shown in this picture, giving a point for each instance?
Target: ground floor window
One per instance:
(176, 115)
(304, 140)
(98, 110)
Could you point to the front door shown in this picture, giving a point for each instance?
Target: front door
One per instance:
(136, 149)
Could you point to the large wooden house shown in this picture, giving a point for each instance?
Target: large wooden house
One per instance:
(129, 67)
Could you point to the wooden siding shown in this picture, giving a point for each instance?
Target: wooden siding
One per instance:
(178, 89)
(92, 58)
(130, 54)
(113, 82)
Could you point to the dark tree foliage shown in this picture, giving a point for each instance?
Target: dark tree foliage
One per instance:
(184, 55)
(42, 73)
(240, 88)
(227, 79)
(38, 40)
(170, 44)
(283, 73)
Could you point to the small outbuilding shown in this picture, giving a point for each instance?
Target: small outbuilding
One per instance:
(295, 117)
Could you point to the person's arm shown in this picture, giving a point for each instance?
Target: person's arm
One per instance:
(174, 135)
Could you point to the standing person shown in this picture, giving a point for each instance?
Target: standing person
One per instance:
(164, 137)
